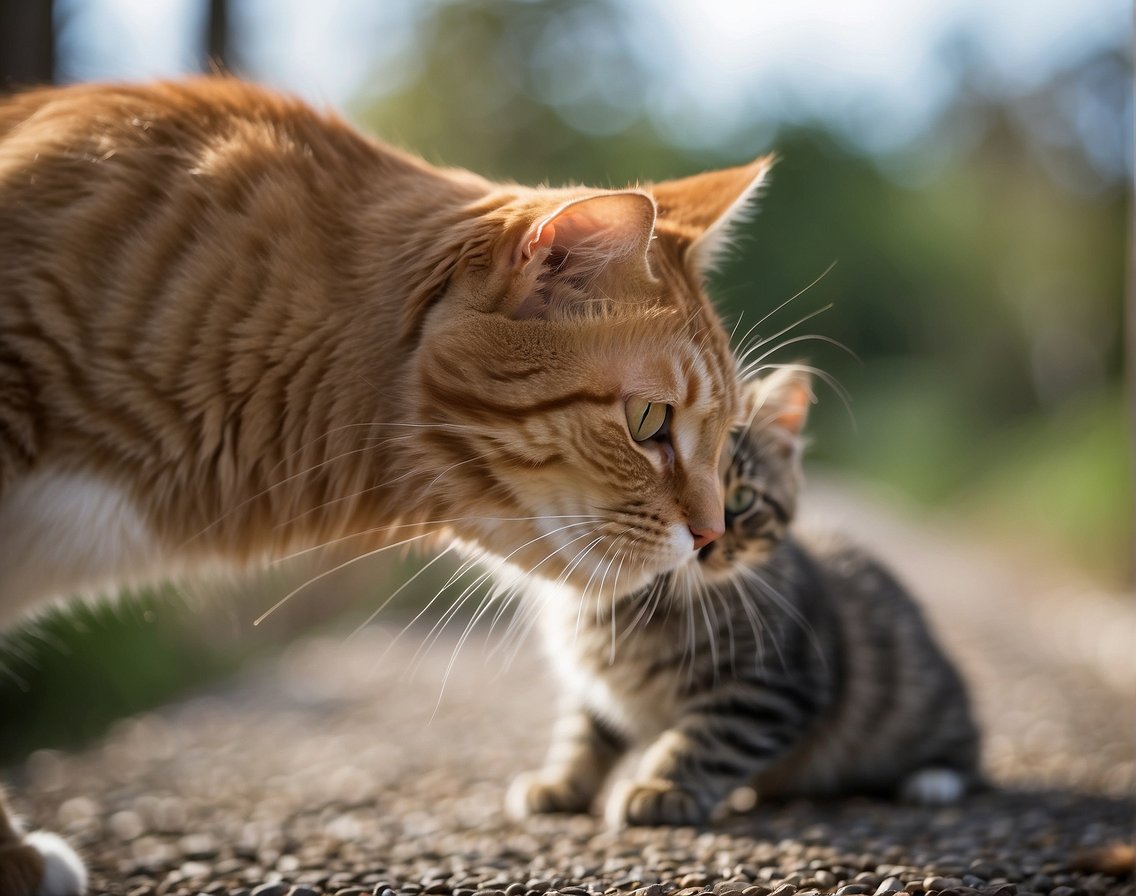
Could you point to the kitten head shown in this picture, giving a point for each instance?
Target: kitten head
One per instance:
(578, 382)
(762, 474)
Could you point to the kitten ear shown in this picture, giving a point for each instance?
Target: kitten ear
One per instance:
(697, 213)
(780, 400)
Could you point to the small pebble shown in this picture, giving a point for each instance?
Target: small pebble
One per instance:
(270, 890)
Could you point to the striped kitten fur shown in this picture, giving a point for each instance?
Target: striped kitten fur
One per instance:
(797, 668)
(233, 329)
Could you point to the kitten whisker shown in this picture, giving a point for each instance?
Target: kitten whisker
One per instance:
(765, 586)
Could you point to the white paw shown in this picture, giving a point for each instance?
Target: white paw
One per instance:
(63, 870)
(933, 787)
(539, 793)
(654, 801)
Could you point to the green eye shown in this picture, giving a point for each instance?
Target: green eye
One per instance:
(740, 499)
(645, 419)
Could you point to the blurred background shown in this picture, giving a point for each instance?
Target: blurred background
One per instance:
(950, 212)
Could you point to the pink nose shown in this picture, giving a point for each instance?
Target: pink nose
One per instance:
(703, 535)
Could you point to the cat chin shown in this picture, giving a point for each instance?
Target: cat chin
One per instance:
(602, 578)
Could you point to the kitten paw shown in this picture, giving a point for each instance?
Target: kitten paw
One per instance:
(655, 801)
(42, 864)
(539, 793)
(933, 787)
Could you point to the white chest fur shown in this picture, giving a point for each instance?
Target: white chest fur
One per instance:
(67, 533)
(608, 684)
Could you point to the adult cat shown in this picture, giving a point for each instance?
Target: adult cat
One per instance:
(231, 328)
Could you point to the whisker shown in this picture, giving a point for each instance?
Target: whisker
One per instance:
(791, 298)
(276, 606)
(294, 453)
(390, 597)
(438, 524)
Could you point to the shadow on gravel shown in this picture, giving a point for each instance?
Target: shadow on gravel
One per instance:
(1037, 837)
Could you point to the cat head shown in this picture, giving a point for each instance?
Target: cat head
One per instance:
(577, 381)
(761, 474)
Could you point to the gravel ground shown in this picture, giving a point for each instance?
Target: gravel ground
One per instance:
(365, 766)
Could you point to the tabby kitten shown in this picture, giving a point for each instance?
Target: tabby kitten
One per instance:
(799, 670)
(232, 328)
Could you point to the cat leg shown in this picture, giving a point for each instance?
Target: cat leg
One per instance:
(582, 753)
(38, 864)
(694, 766)
(670, 786)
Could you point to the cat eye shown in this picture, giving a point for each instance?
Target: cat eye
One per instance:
(740, 499)
(647, 419)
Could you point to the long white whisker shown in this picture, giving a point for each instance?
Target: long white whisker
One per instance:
(336, 568)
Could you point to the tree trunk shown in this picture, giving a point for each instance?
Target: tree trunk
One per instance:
(27, 43)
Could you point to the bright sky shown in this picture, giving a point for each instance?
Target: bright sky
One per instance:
(876, 63)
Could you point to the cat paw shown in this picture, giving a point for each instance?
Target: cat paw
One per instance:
(539, 793)
(42, 864)
(933, 787)
(654, 801)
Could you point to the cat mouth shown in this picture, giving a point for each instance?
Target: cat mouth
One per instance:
(705, 551)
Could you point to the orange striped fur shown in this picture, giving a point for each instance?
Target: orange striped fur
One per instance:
(231, 327)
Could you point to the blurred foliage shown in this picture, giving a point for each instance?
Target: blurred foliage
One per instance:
(979, 271)
(977, 288)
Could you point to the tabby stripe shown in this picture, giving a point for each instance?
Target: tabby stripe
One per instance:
(717, 766)
(483, 408)
(758, 708)
(756, 744)
(515, 374)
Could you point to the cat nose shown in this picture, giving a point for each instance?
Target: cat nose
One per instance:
(703, 535)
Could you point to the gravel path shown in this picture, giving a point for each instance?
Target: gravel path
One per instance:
(347, 768)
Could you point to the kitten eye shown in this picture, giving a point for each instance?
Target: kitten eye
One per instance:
(740, 499)
(646, 419)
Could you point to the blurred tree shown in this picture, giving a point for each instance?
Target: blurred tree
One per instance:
(220, 52)
(979, 271)
(539, 92)
(27, 43)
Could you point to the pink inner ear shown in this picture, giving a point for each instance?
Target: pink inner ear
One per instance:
(543, 238)
(610, 227)
(795, 410)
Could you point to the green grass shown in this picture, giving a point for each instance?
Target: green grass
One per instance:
(1059, 483)
(1064, 482)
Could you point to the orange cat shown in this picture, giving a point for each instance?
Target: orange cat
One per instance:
(231, 328)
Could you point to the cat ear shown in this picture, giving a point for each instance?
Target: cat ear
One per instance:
(581, 240)
(699, 212)
(780, 400)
